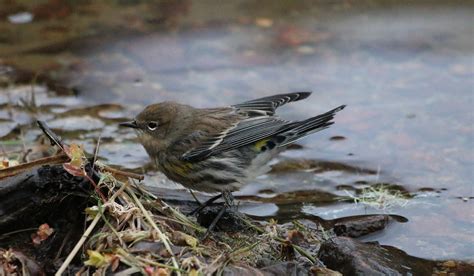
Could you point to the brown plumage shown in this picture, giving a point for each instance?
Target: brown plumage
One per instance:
(220, 149)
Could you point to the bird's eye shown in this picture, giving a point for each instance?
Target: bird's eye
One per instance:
(152, 125)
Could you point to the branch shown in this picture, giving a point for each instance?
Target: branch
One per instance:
(52, 160)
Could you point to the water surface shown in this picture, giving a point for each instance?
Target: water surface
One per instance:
(405, 70)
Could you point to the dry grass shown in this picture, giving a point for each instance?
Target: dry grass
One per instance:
(380, 197)
(134, 231)
(129, 230)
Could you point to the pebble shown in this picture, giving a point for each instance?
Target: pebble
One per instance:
(20, 18)
(449, 264)
(264, 22)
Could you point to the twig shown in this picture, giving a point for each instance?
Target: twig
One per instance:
(56, 159)
(245, 249)
(144, 260)
(101, 212)
(184, 223)
(195, 198)
(143, 191)
(17, 231)
(128, 271)
(54, 139)
(162, 236)
(96, 187)
(96, 150)
(304, 253)
(170, 211)
(76, 248)
(122, 173)
(112, 199)
(86, 234)
(60, 250)
(133, 261)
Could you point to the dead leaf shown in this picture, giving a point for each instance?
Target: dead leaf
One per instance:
(78, 160)
(98, 259)
(43, 233)
(264, 22)
(295, 237)
(183, 239)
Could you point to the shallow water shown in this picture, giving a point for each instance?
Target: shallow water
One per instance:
(404, 70)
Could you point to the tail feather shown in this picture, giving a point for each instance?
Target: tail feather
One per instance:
(301, 129)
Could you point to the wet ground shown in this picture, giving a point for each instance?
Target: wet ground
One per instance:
(405, 70)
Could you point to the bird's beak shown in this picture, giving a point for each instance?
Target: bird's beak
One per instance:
(131, 124)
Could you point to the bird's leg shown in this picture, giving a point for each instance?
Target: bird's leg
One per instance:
(195, 198)
(214, 221)
(205, 204)
(228, 203)
(228, 199)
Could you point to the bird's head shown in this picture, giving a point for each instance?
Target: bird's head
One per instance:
(159, 124)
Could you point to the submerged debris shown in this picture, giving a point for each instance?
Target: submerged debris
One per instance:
(380, 197)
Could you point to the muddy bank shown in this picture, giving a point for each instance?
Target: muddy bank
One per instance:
(42, 219)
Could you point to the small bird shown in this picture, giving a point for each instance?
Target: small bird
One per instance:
(221, 149)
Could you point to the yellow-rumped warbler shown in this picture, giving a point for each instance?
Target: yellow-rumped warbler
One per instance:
(221, 149)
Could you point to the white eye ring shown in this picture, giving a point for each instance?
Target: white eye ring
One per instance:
(152, 125)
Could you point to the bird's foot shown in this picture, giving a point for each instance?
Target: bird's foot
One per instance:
(214, 222)
(205, 204)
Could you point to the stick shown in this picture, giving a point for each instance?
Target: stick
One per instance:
(53, 138)
(56, 159)
(78, 246)
(86, 234)
(162, 236)
(123, 173)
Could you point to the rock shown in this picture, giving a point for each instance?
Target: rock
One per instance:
(155, 247)
(234, 270)
(15, 262)
(285, 268)
(361, 225)
(351, 257)
(229, 222)
(453, 267)
(322, 271)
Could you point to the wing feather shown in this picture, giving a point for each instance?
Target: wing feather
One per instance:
(245, 132)
(256, 121)
(268, 105)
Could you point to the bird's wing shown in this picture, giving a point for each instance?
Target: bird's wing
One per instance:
(255, 122)
(244, 132)
(266, 106)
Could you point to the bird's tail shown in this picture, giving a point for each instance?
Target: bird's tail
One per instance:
(300, 129)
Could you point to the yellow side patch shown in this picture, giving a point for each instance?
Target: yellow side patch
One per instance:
(180, 169)
(260, 144)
